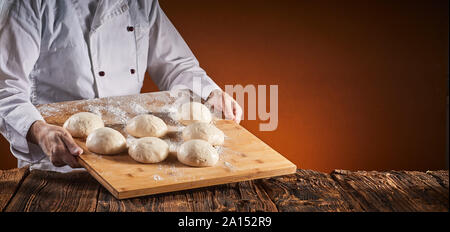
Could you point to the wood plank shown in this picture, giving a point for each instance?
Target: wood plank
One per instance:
(308, 191)
(170, 202)
(303, 191)
(10, 181)
(44, 191)
(394, 190)
(254, 198)
(243, 156)
(440, 176)
(243, 196)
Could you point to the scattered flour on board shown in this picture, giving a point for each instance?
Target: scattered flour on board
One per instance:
(97, 158)
(117, 113)
(229, 166)
(222, 154)
(164, 99)
(47, 110)
(223, 157)
(171, 170)
(94, 109)
(138, 109)
(157, 177)
(229, 151)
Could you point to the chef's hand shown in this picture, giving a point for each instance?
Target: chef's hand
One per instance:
(56, 142)
(220, 101)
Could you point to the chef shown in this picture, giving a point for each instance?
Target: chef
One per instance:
(52, 51)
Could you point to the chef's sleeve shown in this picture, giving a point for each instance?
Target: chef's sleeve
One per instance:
(171, 63)
(19, 51)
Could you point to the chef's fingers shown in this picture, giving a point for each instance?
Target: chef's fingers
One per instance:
(56, 160)
(56, 151)
(70, 160)
(74, 149)
(61, 154)
(65, 155)
(237, 112)
(228, 106)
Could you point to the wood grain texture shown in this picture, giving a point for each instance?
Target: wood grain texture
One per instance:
(170, 202)
(10, 181)
(304, 191)
(234, 197)
(441, 177)
(242, 157)
(308, 191)
(394, 191)
(44, 191)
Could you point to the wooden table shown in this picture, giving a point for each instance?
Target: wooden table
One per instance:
(22, 190)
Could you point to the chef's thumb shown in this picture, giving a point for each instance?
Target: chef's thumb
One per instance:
(74, 149)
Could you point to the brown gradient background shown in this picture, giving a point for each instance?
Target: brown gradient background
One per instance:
(362, 84)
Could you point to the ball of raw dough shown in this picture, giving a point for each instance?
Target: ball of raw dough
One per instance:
(80, 125)
(197, 153)
(203, 131)
(149, 150)
(191, 112)
(106, 141)
(146, 125)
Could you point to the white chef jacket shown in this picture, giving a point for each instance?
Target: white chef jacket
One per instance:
(48, 54)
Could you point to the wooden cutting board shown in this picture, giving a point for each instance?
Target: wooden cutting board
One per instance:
(242, 157)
